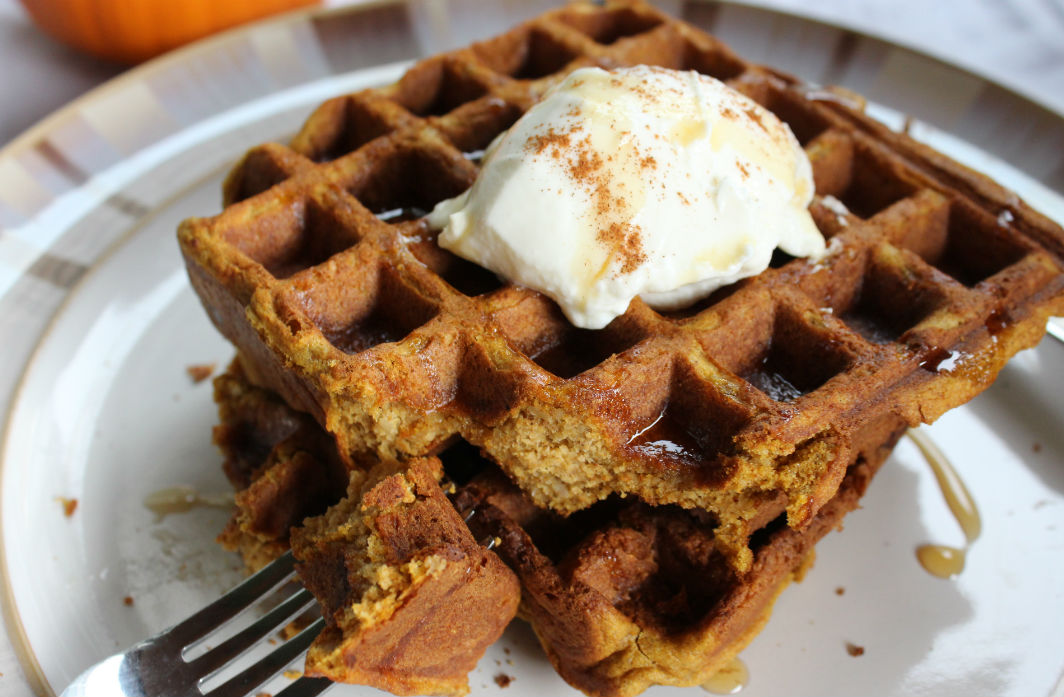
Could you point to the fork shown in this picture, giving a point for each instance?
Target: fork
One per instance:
(156, 667)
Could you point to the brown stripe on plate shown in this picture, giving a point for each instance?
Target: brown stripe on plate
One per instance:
(371, 37)
(1005, 124)
(47, 150)
(701, 14)
(132, 208)
(56, 270)
(841, 56)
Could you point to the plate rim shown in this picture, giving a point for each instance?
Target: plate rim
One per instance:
(137, 72)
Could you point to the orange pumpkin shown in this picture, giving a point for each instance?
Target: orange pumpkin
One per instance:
(130, 31)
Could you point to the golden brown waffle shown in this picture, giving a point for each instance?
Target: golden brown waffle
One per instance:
(282, 465)
(339, 299)
(621, 595)
(644, 595)
(411, 600)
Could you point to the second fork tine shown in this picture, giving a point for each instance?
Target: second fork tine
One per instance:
(237, 644)
(243, 683)
(248, 592)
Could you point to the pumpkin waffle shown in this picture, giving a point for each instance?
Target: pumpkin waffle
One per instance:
(283, 466)
(622, 595)
(323, 273)
(411, 600)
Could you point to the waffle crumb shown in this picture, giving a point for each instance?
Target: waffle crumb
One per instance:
(854, 649)
(69, 505)
(293, 674)
(128, 601)
(840, 591)
(200, 371)
(503, 680)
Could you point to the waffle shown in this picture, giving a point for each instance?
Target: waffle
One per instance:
(283, 466)
(411, 600)
(622, 595)
(323, 274)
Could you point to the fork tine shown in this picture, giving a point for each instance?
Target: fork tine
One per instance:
(249, 591)
(306, 687)
(240, 642)
(241, 684)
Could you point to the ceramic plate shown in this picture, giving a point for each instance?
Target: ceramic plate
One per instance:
(99, 326)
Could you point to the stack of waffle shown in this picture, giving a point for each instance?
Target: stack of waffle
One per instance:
(653, 484)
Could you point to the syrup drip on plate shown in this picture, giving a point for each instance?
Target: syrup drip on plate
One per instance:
(182, 499)
(940, 560)
(731, 678)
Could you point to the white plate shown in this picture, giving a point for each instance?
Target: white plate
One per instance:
(106, 414)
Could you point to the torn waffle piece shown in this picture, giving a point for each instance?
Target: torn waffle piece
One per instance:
(282, 464)
(410, 599)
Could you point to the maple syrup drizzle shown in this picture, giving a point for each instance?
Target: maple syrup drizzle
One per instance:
(401, 214)
(941, 560)
(730, 679)
(182, 499)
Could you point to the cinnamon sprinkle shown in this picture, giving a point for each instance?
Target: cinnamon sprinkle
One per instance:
(756, 118)
(626, 240)
(587, 168)
(557, 140)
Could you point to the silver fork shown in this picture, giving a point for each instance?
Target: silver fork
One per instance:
(156, 667)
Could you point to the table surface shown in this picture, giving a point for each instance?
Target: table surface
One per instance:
(1016, 43)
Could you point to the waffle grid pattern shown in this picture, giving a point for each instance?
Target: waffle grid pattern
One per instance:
(332, 288)
(621, 595)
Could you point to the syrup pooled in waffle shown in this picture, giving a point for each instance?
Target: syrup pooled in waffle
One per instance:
(322, 273)
(621, 595)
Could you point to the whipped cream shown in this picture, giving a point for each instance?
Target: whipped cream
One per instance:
(634, 182)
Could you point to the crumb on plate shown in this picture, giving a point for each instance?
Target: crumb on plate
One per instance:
(69, 505)
(200, 371)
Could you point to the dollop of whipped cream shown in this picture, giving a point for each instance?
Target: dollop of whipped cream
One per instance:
(635, 182)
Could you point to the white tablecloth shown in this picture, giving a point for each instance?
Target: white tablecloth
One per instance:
(1018, 43)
